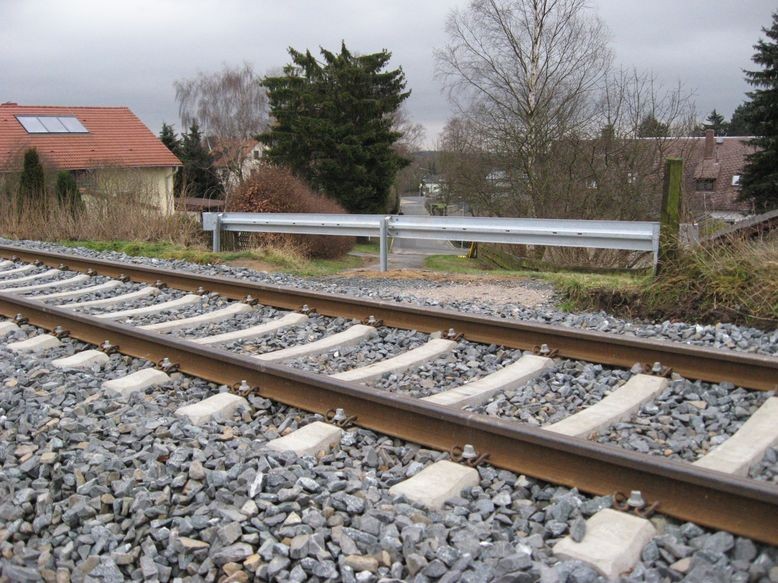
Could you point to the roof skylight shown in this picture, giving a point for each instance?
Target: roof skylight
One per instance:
(51, 124)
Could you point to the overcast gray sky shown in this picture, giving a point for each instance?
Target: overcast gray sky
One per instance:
(129, 52)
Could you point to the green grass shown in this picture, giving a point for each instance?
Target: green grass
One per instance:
(460, 264)
(371, 247)
(285, 260)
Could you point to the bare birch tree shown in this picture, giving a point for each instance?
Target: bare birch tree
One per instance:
(523, 71)
(231, 107)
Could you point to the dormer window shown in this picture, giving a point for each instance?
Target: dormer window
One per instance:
(704, 184)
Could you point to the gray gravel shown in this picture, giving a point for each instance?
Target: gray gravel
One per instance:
(767, 469)
(388, 343)
(164, 295)
(315, 328)
(92, 489)
(564, 390)
(92, 281)
(467, 362)
(687, 420)
(259, 315)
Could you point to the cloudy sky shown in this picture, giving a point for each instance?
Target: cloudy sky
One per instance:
(129, 52)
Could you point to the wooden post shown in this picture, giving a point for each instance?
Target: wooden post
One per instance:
(671, 212)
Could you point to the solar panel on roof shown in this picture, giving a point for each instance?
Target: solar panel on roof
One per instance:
(73, 125)
(32, 124)
(53, 125)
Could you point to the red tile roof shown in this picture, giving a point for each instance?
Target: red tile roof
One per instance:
(116, 138)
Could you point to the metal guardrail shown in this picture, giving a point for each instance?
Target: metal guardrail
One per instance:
(628, 235)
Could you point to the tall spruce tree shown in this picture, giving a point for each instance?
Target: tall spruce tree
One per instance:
(716, 122)
(760, 176)
(32, 184)
(168, 137)
(334, 124)
(740, 122)
(198, 176)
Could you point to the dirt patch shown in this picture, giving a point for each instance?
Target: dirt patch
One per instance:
(254, 264)
(426, 275)
(497, 294)
(483, 288)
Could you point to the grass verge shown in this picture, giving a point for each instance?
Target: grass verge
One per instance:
(270, 258)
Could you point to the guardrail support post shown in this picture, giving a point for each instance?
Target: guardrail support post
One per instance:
(217, 233)
(671, 212)
(383, 244)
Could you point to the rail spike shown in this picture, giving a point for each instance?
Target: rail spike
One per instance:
(340, 418)
(372, 321)
(635, 503)
(467, 455)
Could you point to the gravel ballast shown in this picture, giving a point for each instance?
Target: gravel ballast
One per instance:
(566, 389)
(686, 420)
(95, 489)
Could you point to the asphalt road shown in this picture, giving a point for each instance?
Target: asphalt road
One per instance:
(414, 205)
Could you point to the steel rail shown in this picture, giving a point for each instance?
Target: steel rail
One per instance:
(742, 369)
(745, 507)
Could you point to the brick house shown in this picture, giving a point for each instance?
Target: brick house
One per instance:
(91, 142)
(712, 169)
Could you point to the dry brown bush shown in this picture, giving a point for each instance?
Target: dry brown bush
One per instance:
(119, 208)
(274, 189)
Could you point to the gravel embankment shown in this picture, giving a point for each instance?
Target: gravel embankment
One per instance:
(94, 489)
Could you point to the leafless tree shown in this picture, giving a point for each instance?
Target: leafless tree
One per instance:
(523, 71)
(231, 108)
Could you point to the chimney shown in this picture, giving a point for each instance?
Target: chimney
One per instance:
(709, 144)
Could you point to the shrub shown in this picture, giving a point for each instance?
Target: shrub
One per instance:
(736, 281)
(68, 195)
(274, 189)
(32, 186)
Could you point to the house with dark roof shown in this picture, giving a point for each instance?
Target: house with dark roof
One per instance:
(88, 141)
(712, 169)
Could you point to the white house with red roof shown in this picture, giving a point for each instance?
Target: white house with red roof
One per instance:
(89, 139)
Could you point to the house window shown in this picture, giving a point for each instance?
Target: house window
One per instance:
(736, 180)
(704, 184)
(256, 154)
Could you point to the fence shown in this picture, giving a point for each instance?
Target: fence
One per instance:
(627, 235)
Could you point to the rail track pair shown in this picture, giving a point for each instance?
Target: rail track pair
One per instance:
(711, 498)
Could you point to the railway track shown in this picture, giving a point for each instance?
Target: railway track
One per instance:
(162, 325)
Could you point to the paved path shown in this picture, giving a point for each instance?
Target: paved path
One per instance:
(414, 205)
